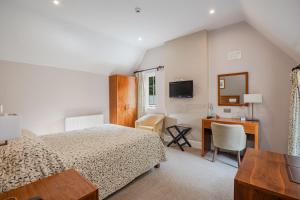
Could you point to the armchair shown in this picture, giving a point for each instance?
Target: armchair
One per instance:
(151, 122)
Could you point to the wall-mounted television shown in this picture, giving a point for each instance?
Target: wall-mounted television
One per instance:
(181, 89)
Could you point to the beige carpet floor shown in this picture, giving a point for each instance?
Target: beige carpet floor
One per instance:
(184, 176)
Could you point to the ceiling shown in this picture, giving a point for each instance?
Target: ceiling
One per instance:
(277, 20)
(101, 36)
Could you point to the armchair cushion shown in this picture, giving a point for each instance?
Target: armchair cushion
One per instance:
(152, 122)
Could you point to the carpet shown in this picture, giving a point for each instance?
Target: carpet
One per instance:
(184, 176)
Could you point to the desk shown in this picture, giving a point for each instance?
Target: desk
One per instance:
(250, 127)
(263, 175)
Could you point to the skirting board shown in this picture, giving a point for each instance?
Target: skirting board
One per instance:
(195, 144)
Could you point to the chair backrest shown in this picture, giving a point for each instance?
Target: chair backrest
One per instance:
(229, 137)
(151, 119)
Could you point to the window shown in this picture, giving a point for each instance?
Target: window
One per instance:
(150, 90)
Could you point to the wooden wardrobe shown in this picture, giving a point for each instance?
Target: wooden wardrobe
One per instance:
(122, 100)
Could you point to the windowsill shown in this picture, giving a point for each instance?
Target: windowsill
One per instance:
(152, 107)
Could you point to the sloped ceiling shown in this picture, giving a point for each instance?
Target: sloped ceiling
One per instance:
(278, 20)
(101, 36)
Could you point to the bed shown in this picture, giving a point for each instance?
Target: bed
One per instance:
(110, 156)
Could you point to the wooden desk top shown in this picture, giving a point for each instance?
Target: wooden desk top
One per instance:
(266, 171)
(232, 121)
(66, 185)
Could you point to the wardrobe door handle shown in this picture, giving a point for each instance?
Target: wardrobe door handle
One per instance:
(126, 106)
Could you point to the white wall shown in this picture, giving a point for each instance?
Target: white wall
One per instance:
(44, 96)
(184, 58)
(269, 70)
(187, 60)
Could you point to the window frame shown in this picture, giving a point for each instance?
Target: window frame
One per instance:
(147, 90)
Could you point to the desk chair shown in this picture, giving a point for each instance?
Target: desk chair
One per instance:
(228, 137)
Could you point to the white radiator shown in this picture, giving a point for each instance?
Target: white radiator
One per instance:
(82, 122)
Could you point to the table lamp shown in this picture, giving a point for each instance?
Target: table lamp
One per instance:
(9, 128)
(252, 99)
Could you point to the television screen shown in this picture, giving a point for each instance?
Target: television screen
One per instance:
(181, 89)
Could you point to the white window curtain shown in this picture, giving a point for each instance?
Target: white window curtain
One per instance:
(294, 126)
(141, 94)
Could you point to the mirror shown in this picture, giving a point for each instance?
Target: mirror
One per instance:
(231, 89)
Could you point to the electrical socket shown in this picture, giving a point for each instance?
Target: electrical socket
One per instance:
(227, 110)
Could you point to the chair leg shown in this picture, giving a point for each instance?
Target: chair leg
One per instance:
(215, 154)
(239, 158)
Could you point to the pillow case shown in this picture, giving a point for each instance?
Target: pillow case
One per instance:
(25, 160)
(28, 134)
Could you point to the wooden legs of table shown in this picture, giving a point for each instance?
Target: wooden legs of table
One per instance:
(256, 139)
(206, 141)
(202, 148)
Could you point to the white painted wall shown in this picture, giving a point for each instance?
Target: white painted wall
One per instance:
(44, 96)
(268, 68)
(184, 58)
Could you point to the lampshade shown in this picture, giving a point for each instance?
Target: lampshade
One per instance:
(9, 127)
(252, 98)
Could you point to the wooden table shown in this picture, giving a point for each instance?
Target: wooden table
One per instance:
(65, 186)
(250, 127)
(263, 176)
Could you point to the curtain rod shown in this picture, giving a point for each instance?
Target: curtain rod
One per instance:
(298, 67)
(157, 68)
